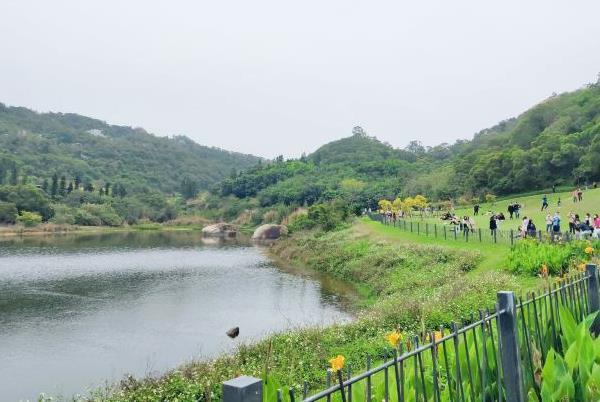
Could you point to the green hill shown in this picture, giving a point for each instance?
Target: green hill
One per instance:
(41, 144)
(556, 142)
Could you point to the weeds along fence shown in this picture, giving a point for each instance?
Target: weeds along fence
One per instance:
(496, 356)
(453, 232)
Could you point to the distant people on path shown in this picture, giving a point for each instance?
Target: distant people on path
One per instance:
(554, 188)
(544, 202)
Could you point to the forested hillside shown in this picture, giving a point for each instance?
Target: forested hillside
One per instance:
(556, 142)
(40, 145)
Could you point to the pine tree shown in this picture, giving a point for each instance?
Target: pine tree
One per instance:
(88, 186)
(54, 187)
(107, 188)
(45, 186)
(24, 179)
(189, 188)
(101, 191)
(70, 188)
(14, 175)
(62, 188)
(77, 181)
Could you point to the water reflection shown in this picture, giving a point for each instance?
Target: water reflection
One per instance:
(77, 309)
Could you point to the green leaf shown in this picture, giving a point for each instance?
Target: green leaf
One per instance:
(568, 325)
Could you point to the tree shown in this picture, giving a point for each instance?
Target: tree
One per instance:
(8, 212)
(70, 188)
(189, 188)
(14, 174)
(107, 188)
(62, 187)
(490, 198)
(45, 186)
(89, 187)
(77, 181)
(54, 186)
(385, 205)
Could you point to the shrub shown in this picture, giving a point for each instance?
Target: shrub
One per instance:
(8, 212)
(29, 218)
(84, 218)
(528, 256)
(107, 215)
(300, 222)
(63, 215)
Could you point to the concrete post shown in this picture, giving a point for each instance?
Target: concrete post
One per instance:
(593, 296)
(511, 360)
(243, 389)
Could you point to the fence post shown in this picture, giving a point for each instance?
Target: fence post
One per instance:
(511, 361)
(435, 230)
(243, 389)
(512, 237)
(479, 235)
(593, 296)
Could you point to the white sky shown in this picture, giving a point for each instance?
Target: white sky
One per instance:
(279, 77)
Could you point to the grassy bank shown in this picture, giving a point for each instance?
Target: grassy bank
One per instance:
(47, 229)
(403, 282)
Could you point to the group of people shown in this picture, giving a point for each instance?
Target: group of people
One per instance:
(514, 210)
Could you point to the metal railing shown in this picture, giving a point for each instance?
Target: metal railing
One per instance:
(480, 235)
(496, 356)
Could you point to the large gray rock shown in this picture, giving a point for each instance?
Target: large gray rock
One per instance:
(219, 230)
(270, 232)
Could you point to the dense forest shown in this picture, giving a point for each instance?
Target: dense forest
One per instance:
(72, 169)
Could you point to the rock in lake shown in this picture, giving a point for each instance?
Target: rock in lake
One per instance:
(269, 232)
(219, 230)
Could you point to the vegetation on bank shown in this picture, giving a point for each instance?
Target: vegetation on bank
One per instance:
(404, 285)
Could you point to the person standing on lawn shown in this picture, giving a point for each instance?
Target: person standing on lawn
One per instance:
(548, 223)
(544, 202)
(556, 223)
(493, 225)
(579, 195)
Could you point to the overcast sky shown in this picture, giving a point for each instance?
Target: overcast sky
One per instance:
(278, 77)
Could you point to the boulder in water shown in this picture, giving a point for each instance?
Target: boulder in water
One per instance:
(269, 232)
(219, 230)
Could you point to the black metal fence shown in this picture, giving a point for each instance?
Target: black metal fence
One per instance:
(456, 233)
(496, 356)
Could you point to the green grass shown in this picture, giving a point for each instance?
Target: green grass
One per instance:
(531, 207)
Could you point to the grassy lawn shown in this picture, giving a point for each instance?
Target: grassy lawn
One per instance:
(531, 207)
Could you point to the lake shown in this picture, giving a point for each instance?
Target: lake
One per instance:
(78, 311)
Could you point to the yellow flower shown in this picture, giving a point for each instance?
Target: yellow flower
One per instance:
(394, 338)
(544, 271)
(337, 363)
(589, 250)
(581, 266)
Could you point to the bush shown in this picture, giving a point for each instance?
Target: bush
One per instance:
(300, 222)
(107, 215)
(63, 215)
(528, 257)
(29, 218)
(84, 218)
(8, 212)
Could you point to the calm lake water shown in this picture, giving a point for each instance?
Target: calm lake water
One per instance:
(77, 311)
